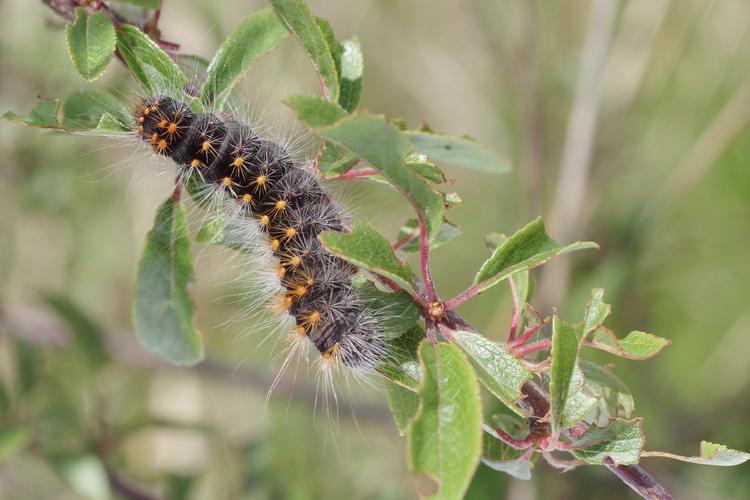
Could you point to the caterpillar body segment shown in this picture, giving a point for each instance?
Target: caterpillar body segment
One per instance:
(290, 205)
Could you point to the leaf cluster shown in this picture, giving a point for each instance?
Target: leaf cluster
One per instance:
(442, 369)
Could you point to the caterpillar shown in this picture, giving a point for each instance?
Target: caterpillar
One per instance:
(261, 184)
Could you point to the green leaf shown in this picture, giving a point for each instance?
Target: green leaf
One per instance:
(621, 441)
(614, 397)
(13, 440)
(397, 312)
(334, 161)
(148, 63)
(403, 404)
(211, 229)
(45, 115)
(710, 454)
(384, 147)
(503, 458)
(330, 37)
(303, 24)
(366, 248)
(529, 247)
(425, 169)
(402, 366)
(446, 233)
(317, 112)
(352, 69)
(91, 43)
(596, 312)
(636, 345)
(498, 370)
(107, 124)
(84, 109)
(102, 114)
(379, 143)
(314, 111)
(569, 403)
(251, 39)
(162, 309)
(445, 437)
(87, 335)
(457, 151)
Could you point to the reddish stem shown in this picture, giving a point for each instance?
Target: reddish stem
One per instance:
(516, 318)
(393, 286)
(403, 241)
(463, 297)
(519, 444)
(177, 188)
(527, 334)
(532, 348)
(639, 480)
(424, 259)
(355, 174)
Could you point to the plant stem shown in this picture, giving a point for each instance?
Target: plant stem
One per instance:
(459, 299)
(532, 348)
(519, 444)
(527, 334)
(516, 317)
(403, 241)
(424, 259)
(355, 174)
(639, 480)
(536, 402)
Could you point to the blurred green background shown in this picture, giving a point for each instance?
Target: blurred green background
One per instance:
(640, 107)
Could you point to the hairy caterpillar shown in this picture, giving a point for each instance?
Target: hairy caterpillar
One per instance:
(257, 181)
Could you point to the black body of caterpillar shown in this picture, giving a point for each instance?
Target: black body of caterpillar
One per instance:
(291, 206)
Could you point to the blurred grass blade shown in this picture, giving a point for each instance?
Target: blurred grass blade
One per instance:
(251, 39)
(13, 440)
(162, 309)
(303, 24)
(91, 43)
(87, 335)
